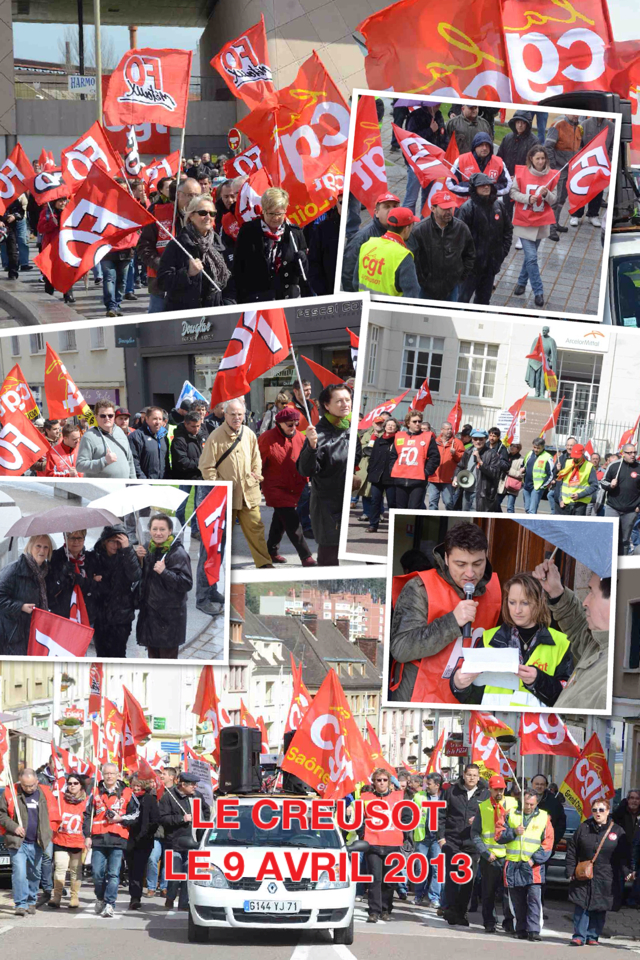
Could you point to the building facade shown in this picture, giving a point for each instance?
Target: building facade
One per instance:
(365, 615)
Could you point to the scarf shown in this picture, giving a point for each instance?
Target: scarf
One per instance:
(207, 245)
(572, 472)
(273, 242)
(77, 562)
(518, 641)
(499, 812)
(161, 547)
(340, 423)
(39, 572)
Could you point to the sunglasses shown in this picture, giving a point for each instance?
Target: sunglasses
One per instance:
(106, 416)
(203, 213)
(382, 780)
(73, 783)
(598, 809)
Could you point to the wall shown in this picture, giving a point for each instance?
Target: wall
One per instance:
(7, 102)
(626, 683)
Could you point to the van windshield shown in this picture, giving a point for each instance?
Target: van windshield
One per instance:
(248, 834)
(626, 286)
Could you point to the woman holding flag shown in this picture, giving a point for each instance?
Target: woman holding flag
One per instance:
(72, 568)
(23, 587)
(533, 216)
(48, 230)
(68, 842)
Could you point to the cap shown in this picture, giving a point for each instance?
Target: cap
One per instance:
(577, 451)
(185, 777)
(442, 198)
(379, 420)
(288, 414)
(476, 434)
(497, 781)
(121, 412)
(402, 217)
(388, 198)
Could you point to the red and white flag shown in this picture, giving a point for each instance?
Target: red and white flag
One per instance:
(132, 162)
(546, 733)
(243, 64)
(245, 163)
(21, 445)
(48, 185)
(300, 700)
(15, 394)
(553, 419)
(168, 167)
(63, 396)
(96, 679)
(450, 156)
(211, 515)
(485, 751)
(78, 608)
(422, 398)
(514, 410)
(15, 173)
(46, 160)
(100, 748)
(112, 726)
(149, 86)
(246, 718)
(153, 139)
(629, 435)
(424, 158)
(368, 168)
(57, 769)
(207, 706)
(72, 763)
(387, 407)
(588, 449)
(260, 341)
(91, 148)
(455, 416)
(354, 341)
(54, 636)
(435, 760)
(249, 200)
(589, 172)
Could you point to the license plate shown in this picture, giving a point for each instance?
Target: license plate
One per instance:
(5, 861)
(271, 906)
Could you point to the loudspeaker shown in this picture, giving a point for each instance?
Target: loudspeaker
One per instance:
(240, 759)
(291, 783)
(466, 479)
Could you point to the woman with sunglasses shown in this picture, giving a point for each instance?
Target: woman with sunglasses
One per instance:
(381, 844)
(602, 842)
(185, 277)
(68, 842)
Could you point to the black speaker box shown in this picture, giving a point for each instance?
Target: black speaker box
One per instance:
(240, 759)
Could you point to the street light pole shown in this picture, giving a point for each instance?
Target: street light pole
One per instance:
(81, 42)
(98, 46)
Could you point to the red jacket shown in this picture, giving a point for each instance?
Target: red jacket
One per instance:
(59, 459)
(48, 225)
(281, 484)
(450, 454)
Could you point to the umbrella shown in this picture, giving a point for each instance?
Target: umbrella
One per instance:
(417, 103)
(588, 542)
(140, 496)
(61, 520)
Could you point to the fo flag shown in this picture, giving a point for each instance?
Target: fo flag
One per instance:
(149, 86)
(245, 163)
(435, 760)
(375, 751)
(48, 185)
(15, 173)
(301, 699)
(54, 636)
(207, 706)
(249, 200)
(15, 394)
(424, 158)
(96, 677)
(212, 517)
(354, 341)
(589, 779)
(159, 169)
(63, 397)
(78, 608)
(243, 64)
(589, 172)
(327, 750)
(91, 148)
(546, 733)
(100, 214)
(368, 169)
(21, 445)
(455, 416)
(132, 162)
(260, 341)
(387, 407)
(422, 398)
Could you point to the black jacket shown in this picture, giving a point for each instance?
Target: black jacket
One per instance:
(15, 210)
(487, 476)
(150, 454)
(431, 464)
(419, 122)
(326, 466)
(351, 253)
(143, 830)
(185, 453)
(489, 223)
(178, 833)
(630, 822)
(183, 292)
(254, 278)
(62, 578)
(323, 253)
(443, 257)
(596, 894)
(162, 621)
(454, 821)
(514, 148)
(380, 459)
(555, 808)
(117, 591)
(17, 586)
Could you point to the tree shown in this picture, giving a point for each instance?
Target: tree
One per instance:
(69, 43)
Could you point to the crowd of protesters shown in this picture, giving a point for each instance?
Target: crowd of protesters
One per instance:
(454, 248)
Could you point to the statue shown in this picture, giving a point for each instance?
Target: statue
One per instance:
(534, 375)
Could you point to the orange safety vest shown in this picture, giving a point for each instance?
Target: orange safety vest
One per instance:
(432, 682)
(468, 165)
(110, 801)
(163, 212)
(52, 804)
(412, 449)
(535, 214)
(392, 837)
(68, 832)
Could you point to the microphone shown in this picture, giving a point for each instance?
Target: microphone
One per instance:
(469, 591)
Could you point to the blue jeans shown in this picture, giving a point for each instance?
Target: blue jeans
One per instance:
(156, 303)
(23, 243)
(155, 867)
(173, 886)
(114, 279)
(97, 271)
(354, 218)
(430, 849)
(47, 868)
(588, 924)
(553, 503)
(511, 501)
(444, 490)
(532, 499)
(303, 509)
(131, 278)
(106, 863)
(530, 269)
(412, 191)
(26, 866)
(541, 119)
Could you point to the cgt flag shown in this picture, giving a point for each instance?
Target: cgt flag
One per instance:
(435, 760)
(263, 336)
(455, 417)
(149, 86)
(368, 167)
(59, 637)
(63, 397)
(211, 515)
(425, 159)
(21, 445)
(207, 706)
(96, 679)
(491, 725)
(422, 398)
(300, 700)
(589, 779)
(546, 733)
(387, 407)
(484, 751)
(15, 173)
(243, 64)
(15, 394)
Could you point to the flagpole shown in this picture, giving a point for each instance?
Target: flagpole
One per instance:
(12, 788)
(304, 399)
(175, 202)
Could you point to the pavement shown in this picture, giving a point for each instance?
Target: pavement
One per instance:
(571, 269)
(412, 931)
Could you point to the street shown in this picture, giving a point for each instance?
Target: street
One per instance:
(70, 935)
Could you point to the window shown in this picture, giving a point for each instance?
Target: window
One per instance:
(578, 382)
(268, 695)
(477, 364)
(15, 346)
(374, 335)
(237, 678)
(97, 339)
(234, 716)
(422, 360)
(384, 722)
(67, 341)
(632, 658)
(36, 343)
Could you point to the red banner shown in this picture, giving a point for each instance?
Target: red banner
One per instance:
(264, 735)
(91, 148)
(212, 518)
(21, 445)
(78, 608)
(15, 394)
(112, 728)
(207, 706)
(243, 64)
(422, 398)
(149, 86)
(589, 172)
(264, 341)
(546, 733)
(368, 168)
(96, 679)
(387, 407)
(589, 779)
(15, 173)
(54, 636)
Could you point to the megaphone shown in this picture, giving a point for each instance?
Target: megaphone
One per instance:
(466, 479)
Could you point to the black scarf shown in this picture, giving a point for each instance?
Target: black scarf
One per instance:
(208, 252)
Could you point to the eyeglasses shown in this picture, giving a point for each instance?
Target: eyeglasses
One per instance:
(106, 416)
(203, 213)
(75, 539)
(598, 810)
(382, 780)
(73, 783)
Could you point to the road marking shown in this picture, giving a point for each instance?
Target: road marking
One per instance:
(5, 929)
(343, 951)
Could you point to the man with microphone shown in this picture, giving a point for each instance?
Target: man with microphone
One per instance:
(484, 462)
(437, 612)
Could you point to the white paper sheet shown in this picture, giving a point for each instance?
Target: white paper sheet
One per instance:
(489, 659)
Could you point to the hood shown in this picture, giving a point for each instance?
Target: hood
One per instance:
(111, 531)
(441, 567)
(482, 180)
(481, 138)
(521, 115)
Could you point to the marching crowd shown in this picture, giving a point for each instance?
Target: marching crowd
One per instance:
(455, 248)
(406, 464)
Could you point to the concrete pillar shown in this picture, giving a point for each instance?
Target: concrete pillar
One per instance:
(7, 87)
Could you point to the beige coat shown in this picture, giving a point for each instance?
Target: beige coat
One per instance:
(238, 466)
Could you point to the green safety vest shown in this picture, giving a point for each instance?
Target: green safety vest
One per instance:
(171, 429)
(510, 804)
(379, 260)
(568, 489)
(545, 656)
(421, 829)
(523, 848)
(539, 474)
(353, 835)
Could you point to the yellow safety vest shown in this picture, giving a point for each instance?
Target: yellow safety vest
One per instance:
(510, 804)
(545, 657)
(353, 835)
(568, 489)
(538, 474)
(523, 848)
(379, 260)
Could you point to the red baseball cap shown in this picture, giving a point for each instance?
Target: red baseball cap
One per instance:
(496, 781)
(443, 199)
(402, 217)
(577, 451)
(387, 198)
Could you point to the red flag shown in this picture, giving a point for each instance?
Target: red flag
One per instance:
(326, 377)
(245, 163)
(451, 155)
(54, 636)
(168, 167)
(100, 748)
(21, 445)
(91, 148)
(354, 341)
(589, 172)
(514, 410)
(72, 763)
(4, 745)
(96, 679)
(455, 416)
(485, 752)
(149, 86)
(243, 64)
(550, 379)
(100, 214)
(424, 158)
(546, 733)
(375, 751)
(300, 700)
(15, 394)
(78, 608)
(491, 725)
(153, 139)
(422, 398)
(589, 779)
(134, 727)
(59, 773)
(553, 419)
(207, 706)
(249, 200)
(387, 407)
(246, 719)
(588, 449)
(368, 167)
(132, 162)
(15, 173)
(63, 397)
(146, 772)
(263, 336)
(113, 721)
(435, 760)
(46, 160)
(327, 750)
(414, 46)
(627, 437)
(264, 735)
(48, 185)
(212, 518)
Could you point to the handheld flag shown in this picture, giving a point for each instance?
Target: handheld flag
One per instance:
(300, 700)
(368, 167)
(91, 148)
(422, 398)
(553, 419)
(326, 377)
(455, 416)
(132, 162)
(207, 706)
(15, 173)
(514, 410)
(190, 393)
(15, 394)
(435, 760)
(629, 435)
(63, 397)
(589, 779)
(387, 407)
(211, 515)
(243, 64)
(260, 341)
(546, 733)
(425, 159)
(354, 340)
(589, 172)
(21, 445)
(149, 86)
(54, 636)
(96, 679)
